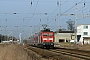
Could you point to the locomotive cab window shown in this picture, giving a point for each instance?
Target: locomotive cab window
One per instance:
(50, 34)
(45, 34)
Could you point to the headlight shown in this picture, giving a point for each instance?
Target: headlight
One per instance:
(43, 44)
(51, 44)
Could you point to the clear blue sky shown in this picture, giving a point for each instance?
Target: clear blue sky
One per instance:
(29, 17)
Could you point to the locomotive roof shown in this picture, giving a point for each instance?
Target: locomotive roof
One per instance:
(46, 30)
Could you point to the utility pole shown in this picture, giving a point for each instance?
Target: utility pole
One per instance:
(76, 23)
(58, 15)
(20, 37)
(30, 30)
(57, 22)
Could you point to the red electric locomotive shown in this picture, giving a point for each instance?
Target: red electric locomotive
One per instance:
(44, 39)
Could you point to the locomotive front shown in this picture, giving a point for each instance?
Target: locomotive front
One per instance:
(47, 39)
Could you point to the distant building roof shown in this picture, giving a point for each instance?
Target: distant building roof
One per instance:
(83, 24)
(65, 32)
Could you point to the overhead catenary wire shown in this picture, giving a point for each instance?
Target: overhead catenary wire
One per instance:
(28, 14)
(32, 14)
(50, 18)
(70, 8)
(30, 17)
(56, 9)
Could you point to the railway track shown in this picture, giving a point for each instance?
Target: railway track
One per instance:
(73, 52)
(46, 54)
(61, 53)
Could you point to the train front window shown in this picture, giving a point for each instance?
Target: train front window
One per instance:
(50, 34)
(45, 34)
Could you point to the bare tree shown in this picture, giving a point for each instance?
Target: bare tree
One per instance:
(70, 25)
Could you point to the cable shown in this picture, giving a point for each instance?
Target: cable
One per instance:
(31, 16)
(33, 13)
(70, 8)
(55, 10)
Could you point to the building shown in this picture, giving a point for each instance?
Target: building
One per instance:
(83, 33)
(64, 36)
